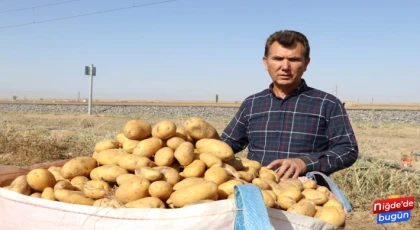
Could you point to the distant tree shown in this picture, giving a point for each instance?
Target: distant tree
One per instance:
(217, 98)
(14, 98)
(41, 99)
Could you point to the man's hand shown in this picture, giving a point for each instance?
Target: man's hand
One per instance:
(288, 168)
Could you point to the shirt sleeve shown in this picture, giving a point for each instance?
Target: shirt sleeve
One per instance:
(235, 133)
(343, 148)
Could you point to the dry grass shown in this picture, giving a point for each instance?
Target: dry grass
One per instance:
(27, 139)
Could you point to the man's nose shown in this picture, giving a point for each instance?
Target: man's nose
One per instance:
(285, 64)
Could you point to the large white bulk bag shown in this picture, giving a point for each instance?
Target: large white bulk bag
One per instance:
(246, 211)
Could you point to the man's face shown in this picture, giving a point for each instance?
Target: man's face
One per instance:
(286, 65)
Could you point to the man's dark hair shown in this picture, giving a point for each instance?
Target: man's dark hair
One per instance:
(287, 38)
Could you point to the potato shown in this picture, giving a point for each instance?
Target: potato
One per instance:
(291, 182)
(210, 160)
(303, 208)
(216, 174)
(193, 193)
(160, 189)
(331, 215)
(236, 163)
(184, 154)
(148, 147)
(324, 190)
(109, 156)
(268, 199)
(310, 184)
(72, 197)
(137, 129)
(199, 129)
(215, 147)
(195, 169)
(247, 163)
(164, 129)
(40, 178)
(230, 170)
(307, 200)
(199, 202)
(124, 177)
(174, 142)
(106, 144)
(332, 202)
(79, 166)
(317, 196)
(187, 182)
(251, 170)
(132, 189)
(48, 194)
(272, 184)
(56, 171)
(20, 185)
(107, 173)
(147, 202)
(36, 194)
(108, 203)
(292, 192)
(148, 173)
(121, 139)
(269, 174)
(96, 189)
(170, 175)
(261, 183)
(227, 188)
(272, 194)
(62, 184)
(78, 182)
(246, 176)
(164, 157)
(130, 145)
(285, 202)
(180, 132)
(130, 162)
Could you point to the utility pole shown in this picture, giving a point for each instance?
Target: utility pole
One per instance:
(90, 70)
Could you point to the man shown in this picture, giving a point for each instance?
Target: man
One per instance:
(291, 127)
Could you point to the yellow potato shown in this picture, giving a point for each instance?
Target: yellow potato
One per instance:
(331, 215)
(56, 171)
(96, 189)
(130, 162)
(292, 192)
(147, 202)
(317, 196)
(107, 173)
(247, 163)
(193, 193)
(164, 130)
(148, 173)
(216, 174)
(130, 145)
(215, 147)
(106, 144)
(180, 132)
(108, 156)
(199, 129)
(291, 182)
(48, 194)
(124, 177)
(79, 166)
(227, 188)
(137, 129)
(236, 162)
(269, 174)
(187, 182)
(62, 184)
(285, 202)
(121, 139)
(40, 178)
(174, 142)
(332, 202)
(324, 190)
(170, 175)
(261, 183)
(269, 201)
(164, 157)
(184, 154)
(20, 185)
(246, 176)
(303, 208)
(310, 184)
(148, 147)
(272, 194)
(307, 200)
(195, 169)
(272, 184)
(210, 160)
(160, 189)
(72, 197)
(132, 189)
(78, 182)
(36, 194)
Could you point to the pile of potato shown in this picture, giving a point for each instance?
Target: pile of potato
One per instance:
(165, 166)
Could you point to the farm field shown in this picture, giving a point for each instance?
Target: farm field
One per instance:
(30, 138)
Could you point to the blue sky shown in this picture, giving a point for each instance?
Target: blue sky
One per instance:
(195, 49)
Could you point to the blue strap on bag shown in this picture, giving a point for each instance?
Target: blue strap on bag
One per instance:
(333, 187)
(251, 211)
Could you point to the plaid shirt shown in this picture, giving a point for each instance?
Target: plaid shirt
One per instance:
(308, 124)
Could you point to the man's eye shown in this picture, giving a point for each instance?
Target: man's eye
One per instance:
(294, 59)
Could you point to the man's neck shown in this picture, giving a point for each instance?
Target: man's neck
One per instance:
(282, 91)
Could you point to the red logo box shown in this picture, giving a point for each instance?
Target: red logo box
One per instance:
(393, 205)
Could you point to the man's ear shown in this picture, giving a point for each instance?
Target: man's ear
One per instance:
(265, 62)
(307, 62)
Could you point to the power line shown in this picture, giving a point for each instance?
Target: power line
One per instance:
(35, 7)
(87, 14)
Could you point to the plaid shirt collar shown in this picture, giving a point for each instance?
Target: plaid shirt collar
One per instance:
(298, 90)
